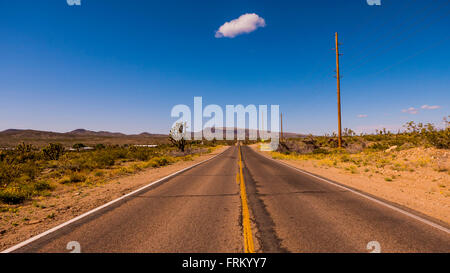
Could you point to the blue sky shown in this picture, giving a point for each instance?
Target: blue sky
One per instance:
(122, 65)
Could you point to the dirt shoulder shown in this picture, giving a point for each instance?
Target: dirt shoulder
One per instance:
(418, 178)
(18, 223)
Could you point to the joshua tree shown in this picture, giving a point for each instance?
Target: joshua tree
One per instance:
(53, 151)
(177, 135)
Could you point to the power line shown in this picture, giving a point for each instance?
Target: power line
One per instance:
(385, 50)
(365, 57)
(320, 61)
(385, 22)
(413, 55)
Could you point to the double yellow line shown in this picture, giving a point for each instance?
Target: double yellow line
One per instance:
(248, 238)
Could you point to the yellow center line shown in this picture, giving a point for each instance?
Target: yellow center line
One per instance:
(248, 237)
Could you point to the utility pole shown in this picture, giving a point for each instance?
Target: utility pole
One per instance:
(262, 125)
(281, 118)
(338, 93)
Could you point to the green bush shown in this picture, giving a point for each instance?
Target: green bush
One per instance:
(77, 177)
(42, 186)
(438, 138)
(379, 146)
(320, 151)
(13, 195)
(141, 154)
(78, 146)
(100, 160)
(74, 177)
(23, 153)
(27, 171)
(53, 151)
(8, 173)
(99, 146)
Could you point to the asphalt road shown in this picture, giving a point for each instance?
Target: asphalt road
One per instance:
(195, 211)
(199, 210)
(295, 212)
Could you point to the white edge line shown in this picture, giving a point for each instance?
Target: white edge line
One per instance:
(32, 239)
(425, 221)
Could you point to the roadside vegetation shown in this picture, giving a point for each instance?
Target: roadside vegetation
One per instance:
(27, 171)
(385, 153)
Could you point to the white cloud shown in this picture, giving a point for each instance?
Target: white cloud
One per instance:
(430, 107)
(246, 23)
(411, 110)
(362, 116)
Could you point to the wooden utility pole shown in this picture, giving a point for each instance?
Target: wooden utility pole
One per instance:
(262, 125)
(281, 118)
(338, 93)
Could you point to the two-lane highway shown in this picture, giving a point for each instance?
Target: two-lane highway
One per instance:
(195, 211)
(200, 210)
(296, 212)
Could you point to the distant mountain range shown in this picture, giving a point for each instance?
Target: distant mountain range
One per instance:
(247, 132)
(27, 133)
(12, 137)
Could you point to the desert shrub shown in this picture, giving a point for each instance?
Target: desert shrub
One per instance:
(118, 153)
(42, 186)
(78, 146)
(14, 195)
(355, 147)
(26, 171)
(11, 172)
(90, 160)
(74, 177)
(141, 153)
(99, 146)
(23, 153)
(99, 173)
(302, 147)
(53, 151)
(124, 170)
(102, 159)
(159, 161)
(438, 138)
(345, 158)
(8, 173)
(30, 169)
(320, 151)
(378, 146)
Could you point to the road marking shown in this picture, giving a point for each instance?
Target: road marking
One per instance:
(32, 239)
(247, 230)
(418, 218)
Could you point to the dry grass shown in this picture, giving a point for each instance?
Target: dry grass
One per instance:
(26, 170)
(419, 164)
